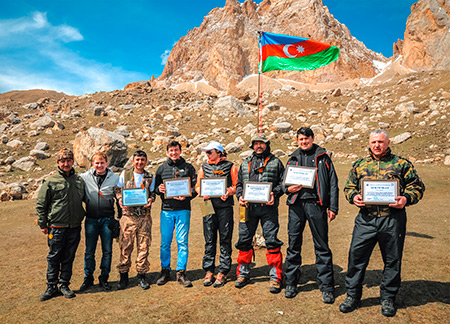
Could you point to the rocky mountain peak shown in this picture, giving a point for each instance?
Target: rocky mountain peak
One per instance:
(223, 50)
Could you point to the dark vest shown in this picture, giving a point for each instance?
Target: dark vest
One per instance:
(221, 169)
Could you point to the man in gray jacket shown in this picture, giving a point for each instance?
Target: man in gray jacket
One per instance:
(99, 183)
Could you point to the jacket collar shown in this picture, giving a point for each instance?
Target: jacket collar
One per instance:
(178, 162)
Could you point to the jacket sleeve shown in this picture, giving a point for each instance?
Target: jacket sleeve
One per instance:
(200, 176)
(234, 178)
(351, 188)
(239, 184)
(158, 181)
(278, 186)
(193, 176)
(43, 205)
(283, 187)
(414, 187)
(334, 188)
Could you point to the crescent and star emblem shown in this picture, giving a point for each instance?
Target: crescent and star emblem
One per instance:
(300, 49)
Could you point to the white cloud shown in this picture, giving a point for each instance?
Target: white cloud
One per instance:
(164, 56)
(33, 55)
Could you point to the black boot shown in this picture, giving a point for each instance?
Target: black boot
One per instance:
(142, 281)
(87, 283)
(163, 277)
(123, 283)
(52, 291)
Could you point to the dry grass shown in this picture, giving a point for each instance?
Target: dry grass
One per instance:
(424, 297)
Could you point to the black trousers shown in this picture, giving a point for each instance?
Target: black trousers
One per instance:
(389, 233)
(221, 223)
(63, 243)
(268, 215)
(299, 213)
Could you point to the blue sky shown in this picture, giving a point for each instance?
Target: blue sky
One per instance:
(100, 45)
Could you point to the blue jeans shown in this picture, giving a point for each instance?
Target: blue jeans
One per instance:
(180, 221)
(93, 229)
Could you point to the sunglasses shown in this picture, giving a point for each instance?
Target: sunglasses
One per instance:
(208, 152)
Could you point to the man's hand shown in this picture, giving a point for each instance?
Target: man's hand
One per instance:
(44, 230)
(292, 189)
(227, 194)
(179, 198)
(331, 216)
(400, 202)
(358, 201)
(242, 202)
(149, 202)
(162, 188)
(272, 200)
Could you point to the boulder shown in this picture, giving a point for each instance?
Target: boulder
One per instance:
(43, 122)
(99, 140)
(233, 147)
(283, 127)
(401, 138)
(39, 154)
(43, 146)
(229, 105)
(17, 190)
(14, 143)
(25, 163)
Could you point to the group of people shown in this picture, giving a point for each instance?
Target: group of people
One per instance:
(60, 213)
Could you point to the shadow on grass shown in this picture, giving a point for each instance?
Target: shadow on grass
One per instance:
(414, 234)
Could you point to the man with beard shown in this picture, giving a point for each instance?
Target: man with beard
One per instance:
(261, 166)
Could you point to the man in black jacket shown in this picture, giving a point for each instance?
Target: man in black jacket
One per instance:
(175, 214)
(317, 205)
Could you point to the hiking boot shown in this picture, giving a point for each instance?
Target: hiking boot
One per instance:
(209, 279)
(275, 287)
(328, 297)
(104, 283)
(388, 307)
(87, 283)
(51, 292)
(142, 281)
(182, 279)
(241, 282)
(349, 305)
(290, 291)
(65, 290)
(221, 279)
(123, 283)
(163, 277)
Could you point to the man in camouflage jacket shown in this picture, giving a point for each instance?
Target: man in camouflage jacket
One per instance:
(385, 224)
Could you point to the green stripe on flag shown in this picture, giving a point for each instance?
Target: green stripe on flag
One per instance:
(309, 62)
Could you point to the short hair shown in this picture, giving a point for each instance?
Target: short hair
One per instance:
(379, 131)
(99, 155)
(173, 144)
(140, 153)
(305, 131)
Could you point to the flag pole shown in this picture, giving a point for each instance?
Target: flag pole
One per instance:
(259, 95)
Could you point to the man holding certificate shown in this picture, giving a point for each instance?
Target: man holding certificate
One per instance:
(259, 177)
(382, 223)
(216, 183)
(312, 185)
(175, 213)
(135, 195)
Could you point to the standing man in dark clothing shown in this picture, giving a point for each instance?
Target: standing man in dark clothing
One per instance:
(60, 213)
(261, 166)
(382, 224)
(100, 183)
(175, 214)
(318, 206)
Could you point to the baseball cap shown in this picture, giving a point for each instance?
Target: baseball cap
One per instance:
(260, 138)
(213, 145)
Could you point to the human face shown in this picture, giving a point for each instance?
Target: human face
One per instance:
(305, 142)
(212, 155)
(174, 153)
(65, 165)
(378, 145)
(100, 165)
(139, 163)
(259, 147)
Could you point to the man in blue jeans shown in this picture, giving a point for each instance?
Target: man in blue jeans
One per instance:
(99, 186)
(175, 213)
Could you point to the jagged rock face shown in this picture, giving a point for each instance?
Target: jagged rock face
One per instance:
(427, 38)
(224, 49)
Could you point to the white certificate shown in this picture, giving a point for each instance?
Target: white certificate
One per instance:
(379, 192)
(257, 192)
(134, 197)
(213, 187)
(296, 175)
(180, 187)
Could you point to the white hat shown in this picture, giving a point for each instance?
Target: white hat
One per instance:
(213, 145)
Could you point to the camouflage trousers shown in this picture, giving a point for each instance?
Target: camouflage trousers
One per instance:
(135, 228)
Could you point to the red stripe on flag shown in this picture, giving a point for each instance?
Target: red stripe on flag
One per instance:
(299, 49)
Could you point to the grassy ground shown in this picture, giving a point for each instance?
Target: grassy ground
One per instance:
(423, 298)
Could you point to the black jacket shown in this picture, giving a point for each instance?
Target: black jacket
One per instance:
(326, 180)
(171, 170)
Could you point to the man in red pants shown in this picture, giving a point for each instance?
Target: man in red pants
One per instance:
(261, 166)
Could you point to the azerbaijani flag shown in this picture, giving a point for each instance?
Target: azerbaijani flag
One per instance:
(283, 52)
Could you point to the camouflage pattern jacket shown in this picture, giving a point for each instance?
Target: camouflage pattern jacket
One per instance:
(389, 167)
